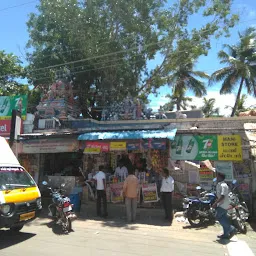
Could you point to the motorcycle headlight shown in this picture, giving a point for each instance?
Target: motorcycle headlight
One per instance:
(6, 209)
(39, 203)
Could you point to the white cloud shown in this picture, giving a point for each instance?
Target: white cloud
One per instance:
(221, 101)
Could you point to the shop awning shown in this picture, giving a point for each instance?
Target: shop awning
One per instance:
(129, 135)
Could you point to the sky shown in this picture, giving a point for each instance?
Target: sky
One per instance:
(14, 36)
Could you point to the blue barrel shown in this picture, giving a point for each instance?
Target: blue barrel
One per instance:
(75, 200)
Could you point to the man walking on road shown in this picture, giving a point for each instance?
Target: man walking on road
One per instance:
(100, 179)
(130, 190)
(222, 205)
(166, 190)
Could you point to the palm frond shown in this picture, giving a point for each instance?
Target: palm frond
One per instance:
(198, 87)
(232, 50)
(200, 74)
(229, 83)
(220, 74)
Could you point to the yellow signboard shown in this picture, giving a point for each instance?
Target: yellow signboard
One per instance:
(92, 150)
(230, 148)
(118, 146)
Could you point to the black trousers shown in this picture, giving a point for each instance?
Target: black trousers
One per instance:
(167, 204)
(101, 197)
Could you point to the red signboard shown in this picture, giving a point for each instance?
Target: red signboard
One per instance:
(5, 127)
(95, 144)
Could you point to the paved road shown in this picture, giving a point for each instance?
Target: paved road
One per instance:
(94, 237)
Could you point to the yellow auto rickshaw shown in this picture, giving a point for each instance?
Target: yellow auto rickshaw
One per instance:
(20, 198)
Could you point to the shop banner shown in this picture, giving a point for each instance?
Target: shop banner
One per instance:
(189, 147)
(205, 175)
(158, 144)
(102, 146)
(117, 192)
(244, 189)
(242, 169)
(225, 168)
(92, 151)
(8, 103)
(133, 145)
(49, 146)
(230, 148)
(149, 193)
(117, 146)
(5, 127)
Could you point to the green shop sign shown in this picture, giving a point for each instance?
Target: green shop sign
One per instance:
(189, 147)
(8, 103)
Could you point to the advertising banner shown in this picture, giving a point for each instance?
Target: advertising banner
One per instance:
(5, 127)
(8, 103)
(133, 145)
(149, 193)
(210, 147)
(242, 169)
(49, 146)
(225, 168)
(230, 148)
(194, 147)
(117, 192)
(92, 151)
(97, 146)
(205, 174)
(117, 146)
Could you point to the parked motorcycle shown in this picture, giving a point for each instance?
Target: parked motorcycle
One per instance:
(61, 209)
(199, 209)
(238, 211)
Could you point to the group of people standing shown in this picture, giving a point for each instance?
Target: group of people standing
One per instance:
(130, 191)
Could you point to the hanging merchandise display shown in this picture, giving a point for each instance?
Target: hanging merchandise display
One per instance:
(149, 193)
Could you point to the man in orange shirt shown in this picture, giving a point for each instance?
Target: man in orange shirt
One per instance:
(130, 190)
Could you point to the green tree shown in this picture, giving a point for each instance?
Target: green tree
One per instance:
(241, 105)
(107, 43)
(185, 78)
(241, 67)
(181, 43)
(180, 101)
(102, 42)
(209, 107)
(10, 71)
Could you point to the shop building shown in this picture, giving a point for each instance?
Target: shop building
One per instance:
(227, 142)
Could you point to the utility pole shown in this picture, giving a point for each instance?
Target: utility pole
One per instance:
(15, 129)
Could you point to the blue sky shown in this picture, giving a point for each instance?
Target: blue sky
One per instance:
(14, 37)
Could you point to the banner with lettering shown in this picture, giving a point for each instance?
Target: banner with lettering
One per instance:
(117, 192)
(230, 148)
(149, 193)
(211, 147)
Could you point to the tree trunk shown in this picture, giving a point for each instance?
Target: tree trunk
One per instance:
(237, 97)
(178, 105)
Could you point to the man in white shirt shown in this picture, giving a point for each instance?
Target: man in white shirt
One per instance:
(100, 179)
(121, 171)
(222, 205)
(166, 191)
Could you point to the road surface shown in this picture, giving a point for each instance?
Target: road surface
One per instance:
(108, 237)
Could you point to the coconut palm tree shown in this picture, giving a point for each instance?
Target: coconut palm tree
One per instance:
(208, 107)
(241, 105)
(180, 101)
(241, 67)
(184, 78)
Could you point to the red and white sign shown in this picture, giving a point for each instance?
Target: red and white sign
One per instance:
(5, 127)
(104, 147)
